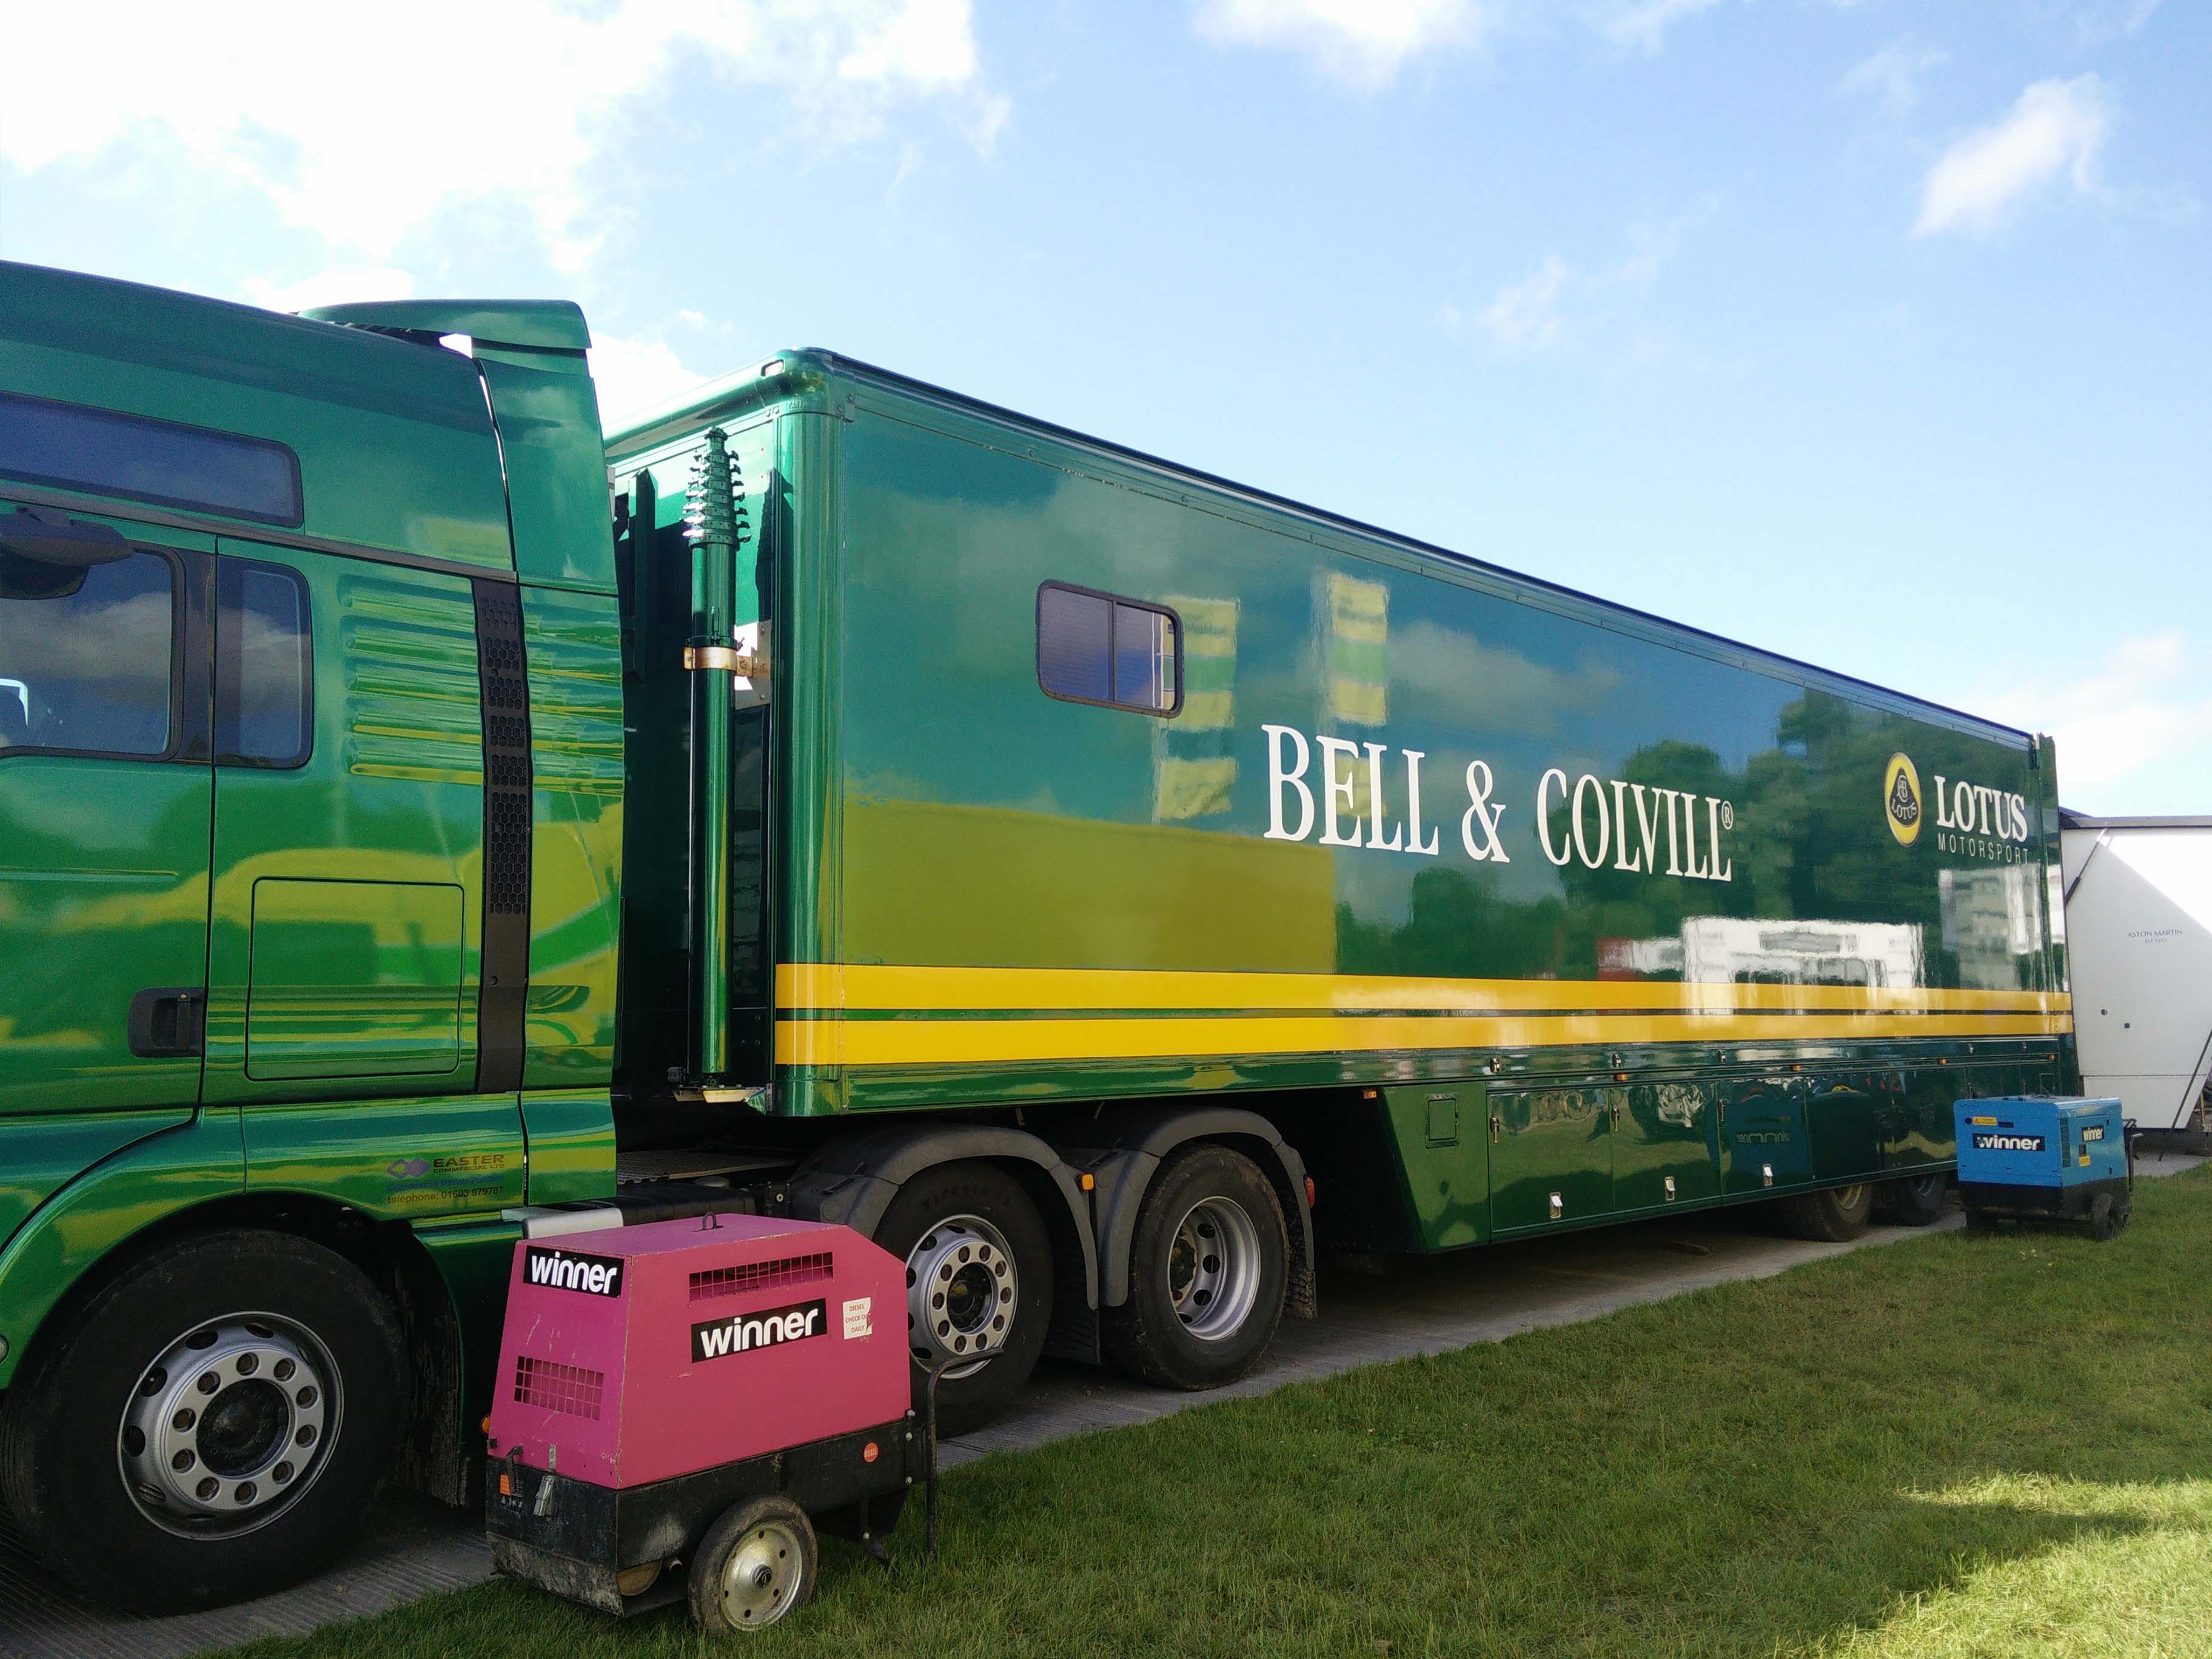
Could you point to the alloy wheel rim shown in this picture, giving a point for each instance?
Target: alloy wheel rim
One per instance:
(229, 1426)
(962, 1294)
(1214, 1269)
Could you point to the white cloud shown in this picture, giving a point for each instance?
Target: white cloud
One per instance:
(1643, 23)
(635, 376)
(2057, 129)
(360, 131)
(330, 288)
(1364, 43)
(1893, 75)
(1526, 314)
(1654, 242)
(2098, 23)
(2140, 718)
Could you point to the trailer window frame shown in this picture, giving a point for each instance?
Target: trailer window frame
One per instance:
(1113, 601)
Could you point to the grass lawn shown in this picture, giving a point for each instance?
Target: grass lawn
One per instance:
(1988, 1445)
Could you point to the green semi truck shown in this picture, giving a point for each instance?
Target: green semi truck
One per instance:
(426, 820)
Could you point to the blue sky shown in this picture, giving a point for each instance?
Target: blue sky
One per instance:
(1873, 332)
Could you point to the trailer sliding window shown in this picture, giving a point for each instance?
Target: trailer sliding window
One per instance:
(1102, 648)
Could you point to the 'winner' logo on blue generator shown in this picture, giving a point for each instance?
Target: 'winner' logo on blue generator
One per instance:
(743, 1333)
(1990, 1143)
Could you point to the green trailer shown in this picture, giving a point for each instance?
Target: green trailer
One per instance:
(429, 823)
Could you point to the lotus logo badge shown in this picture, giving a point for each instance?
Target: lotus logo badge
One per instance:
(1900, 798)
(407, 1168)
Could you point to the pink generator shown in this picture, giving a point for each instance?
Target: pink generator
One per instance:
(676, 1399)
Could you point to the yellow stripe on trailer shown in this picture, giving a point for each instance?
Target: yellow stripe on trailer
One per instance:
(986, 1041)
(836, 987)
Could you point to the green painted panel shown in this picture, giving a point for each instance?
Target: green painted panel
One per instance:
(392, 1158)
(395, 444)
(474, 1259)
(103, 894)
(1444, 1151)
(391, 798)
(1764, 1144)
(103, 858)
(1547, 1141)
(40, 1155)
(200, 1159)
(1600, 796)
(1664, 1132)
(548, 414)
(571, 1135)
(575, 645)
(354, 979)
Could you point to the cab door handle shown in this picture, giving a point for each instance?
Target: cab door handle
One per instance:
(169, 1022)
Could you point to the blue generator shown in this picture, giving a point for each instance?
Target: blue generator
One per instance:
(2044, 1157)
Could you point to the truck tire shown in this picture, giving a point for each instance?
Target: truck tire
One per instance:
(1912, 1200)
(978, 1283)
(1207, 1269)
(209, 1425)
(1833, 1217)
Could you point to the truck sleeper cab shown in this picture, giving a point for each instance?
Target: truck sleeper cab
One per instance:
(1050, 863)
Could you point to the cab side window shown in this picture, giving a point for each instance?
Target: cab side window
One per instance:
(264, 666)
(88, 658)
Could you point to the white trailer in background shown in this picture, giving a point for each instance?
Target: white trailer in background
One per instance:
(2138, 920)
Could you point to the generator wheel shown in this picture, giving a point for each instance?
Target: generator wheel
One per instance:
(1208, 1270)
(755, 1565)
(210, 1424)
(1979, 1221)
(979, 1287)
(2106, 1217)
(1912, 1200)
(1831, 1216)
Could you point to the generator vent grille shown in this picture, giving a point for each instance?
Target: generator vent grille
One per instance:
(557, 1388)
(760, 1276)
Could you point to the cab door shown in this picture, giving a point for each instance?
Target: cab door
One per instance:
(105, 798)
(349, 813)
(349, 883)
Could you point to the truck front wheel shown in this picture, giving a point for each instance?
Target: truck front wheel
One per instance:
(1207, 1269)
(979, 1287)
(209, 1425)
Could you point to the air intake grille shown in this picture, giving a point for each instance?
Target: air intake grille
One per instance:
(760, 1276)
(557, 1387)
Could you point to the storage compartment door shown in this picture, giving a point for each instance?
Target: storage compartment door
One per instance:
(1764, 1144)
(1551, 1158)
(1662, 1146)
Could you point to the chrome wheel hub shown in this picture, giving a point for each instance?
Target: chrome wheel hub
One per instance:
(960, 1294)
(760, 1577)
(229, 1426)
(1214, 1269)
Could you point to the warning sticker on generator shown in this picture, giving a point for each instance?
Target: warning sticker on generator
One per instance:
(2000, 1143)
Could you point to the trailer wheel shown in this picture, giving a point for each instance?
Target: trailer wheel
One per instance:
(1912, 1200)
(755, 1565)
(2106, 1217)
(210, 1425)
(1830, 1217)
(979, 1287)
(1207, 1269)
